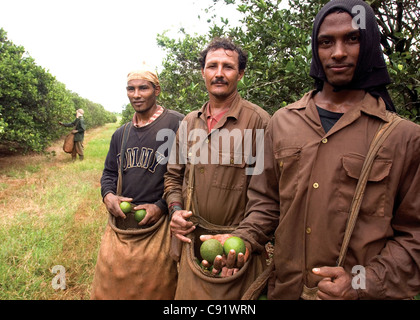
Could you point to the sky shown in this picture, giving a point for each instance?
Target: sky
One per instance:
(91, 45)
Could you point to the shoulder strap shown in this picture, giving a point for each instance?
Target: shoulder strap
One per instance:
(190, 188)
(122, 156)
(383, 132)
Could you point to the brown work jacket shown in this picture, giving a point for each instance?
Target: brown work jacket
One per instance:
(305, 192)
(220, 172)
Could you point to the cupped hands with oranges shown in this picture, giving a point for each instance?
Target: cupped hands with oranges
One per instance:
(224, 254)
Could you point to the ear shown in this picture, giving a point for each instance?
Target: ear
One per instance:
(241, 75)
(202, 72)
(157, 90)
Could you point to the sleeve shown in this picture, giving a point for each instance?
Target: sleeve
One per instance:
(161, 203)
(70, 124)
(262, 212)
(174, 176)
(110, 173)
(395, 272)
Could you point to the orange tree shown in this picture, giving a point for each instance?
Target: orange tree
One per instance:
(32, 102)
(277, 37)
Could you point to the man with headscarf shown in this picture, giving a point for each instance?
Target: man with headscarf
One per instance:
(79, 134)
(314, 151)
(145, 153)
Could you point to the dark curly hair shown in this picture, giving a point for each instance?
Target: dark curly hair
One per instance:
(227, 44)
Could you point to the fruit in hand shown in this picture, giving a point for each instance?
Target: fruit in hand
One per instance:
(125, 206)
(139, 215)
(210, 249)
(234, 243)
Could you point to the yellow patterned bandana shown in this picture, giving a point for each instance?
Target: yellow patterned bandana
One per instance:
(144, 74)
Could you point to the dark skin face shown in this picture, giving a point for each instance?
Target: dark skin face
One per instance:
(338, 51)
(142, 95)
(338, 48)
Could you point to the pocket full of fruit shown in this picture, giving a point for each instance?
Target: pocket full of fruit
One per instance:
(133, 217)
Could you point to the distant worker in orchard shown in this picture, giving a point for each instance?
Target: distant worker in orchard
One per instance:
(79, 134)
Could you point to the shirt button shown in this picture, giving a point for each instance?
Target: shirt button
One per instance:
(316, 185)
(325, 140)
(308, 230)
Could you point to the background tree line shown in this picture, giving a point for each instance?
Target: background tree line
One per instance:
(278, 42)
(32, 102)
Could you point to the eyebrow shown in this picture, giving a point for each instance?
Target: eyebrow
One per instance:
(142, 86)
(351, 33)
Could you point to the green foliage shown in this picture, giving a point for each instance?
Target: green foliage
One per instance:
(182, 86)
(32, 102)
(398, 21)
(127, 114)
(278, 49)
(278, 42)
(95, 114)
(279, 54)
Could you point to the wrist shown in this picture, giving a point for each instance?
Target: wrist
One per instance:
(174, 206)
(107, 195)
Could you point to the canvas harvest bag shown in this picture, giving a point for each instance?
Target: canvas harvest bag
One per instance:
(195, 283)
(68, 143)
(133, 262)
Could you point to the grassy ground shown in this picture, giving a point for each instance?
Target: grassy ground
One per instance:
(51, 214)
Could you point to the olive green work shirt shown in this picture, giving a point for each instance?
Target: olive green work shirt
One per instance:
(224, 161)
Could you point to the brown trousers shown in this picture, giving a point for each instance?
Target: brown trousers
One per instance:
(77, 150)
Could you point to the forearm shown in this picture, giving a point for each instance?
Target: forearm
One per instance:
(257, 229)
(174, 179)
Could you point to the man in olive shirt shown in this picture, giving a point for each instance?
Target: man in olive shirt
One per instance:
(222, 171)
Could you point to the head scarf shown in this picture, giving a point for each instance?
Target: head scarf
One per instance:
(144, 73)
(371, 72)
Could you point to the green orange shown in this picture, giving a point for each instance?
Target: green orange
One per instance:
(125, 206)
(210, 249)
(139, 215)
(234, 243)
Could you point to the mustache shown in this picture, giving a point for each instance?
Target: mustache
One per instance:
(219, 81)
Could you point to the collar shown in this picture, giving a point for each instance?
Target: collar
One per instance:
(218, 116)
(157, 113)
(369, 105)
(233, 111)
